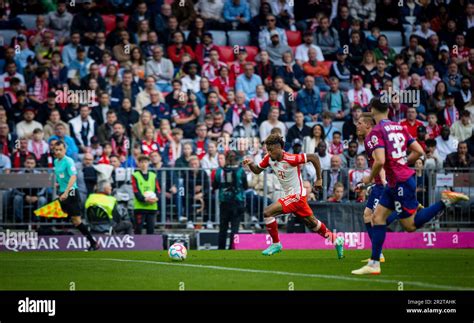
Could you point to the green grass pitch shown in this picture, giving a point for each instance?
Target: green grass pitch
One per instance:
(438, 269)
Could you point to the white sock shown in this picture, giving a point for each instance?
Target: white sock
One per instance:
(374, 263)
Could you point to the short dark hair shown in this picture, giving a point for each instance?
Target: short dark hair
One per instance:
(275, 139)
(378, 105)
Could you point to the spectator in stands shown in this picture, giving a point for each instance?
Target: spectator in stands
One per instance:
(89, 173)
(462, 129)
(411, 123)
(158, 110)
(54, 118)
(432, 160)
(173, 148)
(120, 142)
(143, 97)
(83, 128)
(349, 128)
(342, 70)
(272, 122)
(327, 38)
(460, 158)
(105, 130)
(60, 134)
(292, 73)
(433, 130)
(336, 146)
(430, 80)
(184, 12)
(191, 81)
(311, 142)
(148, 144)
(271, 30)
(236, 14)
(237, 67)
(328, 126)
(209, 159)
(302, 50)
(36, 197)
(402, 81)
(212, 106)
(299, 130)
(349, 156)
(212, 12)
(126, 89)
(212, 67)
(470, 144)
(464, 95)
(276, 49)
(39, 88)
(308, 100)
(450, 114)
(39, 148)
(336, 101)
(356, 174)
(128, 116)
(87, 22)
(363, 10)
(161, 69)
(178, 48)
(59, 22)
(201, 142)
(446, 143)
(317, 69)
(69, 52)
(383, 50)
(467, 69)
(185, 114)
(26, 127)
(10, 73)
(424, 32)
(336, 174)
(453, 78)
(272, 103)
(248, 81)
(367, 66)
(359, 95)
(247, 128)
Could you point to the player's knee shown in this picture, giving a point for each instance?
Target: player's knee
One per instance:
(267, 213)
(410, 228)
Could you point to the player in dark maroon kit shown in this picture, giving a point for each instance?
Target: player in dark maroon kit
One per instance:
(390, 142)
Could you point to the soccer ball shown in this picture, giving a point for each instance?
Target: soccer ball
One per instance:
(177, 252)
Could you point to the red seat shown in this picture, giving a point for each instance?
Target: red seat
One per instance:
(109, 22)
(293, 49)
(327, 63)
(252, 52)
(226, 54)
(294, 37)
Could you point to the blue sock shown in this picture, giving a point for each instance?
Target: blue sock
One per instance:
(422, 216)
(378, 238)
(368, 226)
(392, 217)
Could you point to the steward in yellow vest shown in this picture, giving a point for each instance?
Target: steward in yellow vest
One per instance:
(145, 190)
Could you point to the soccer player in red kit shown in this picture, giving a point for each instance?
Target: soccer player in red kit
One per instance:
(287, 168)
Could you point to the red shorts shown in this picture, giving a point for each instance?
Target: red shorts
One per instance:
(296, 204)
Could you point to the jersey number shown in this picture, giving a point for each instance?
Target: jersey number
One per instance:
(398, 141)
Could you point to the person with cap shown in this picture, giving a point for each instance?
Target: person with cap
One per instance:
(26, 127)
(301, 54)
(276, 49)
(442, 61)
(248, 81)
(59, 22)
(87, 22)
(453, 78)
(421, 136)
(145, 196)
(265, 34)
(342, 69)
(450, 114)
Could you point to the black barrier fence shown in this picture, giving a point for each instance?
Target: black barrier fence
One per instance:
(186, 199)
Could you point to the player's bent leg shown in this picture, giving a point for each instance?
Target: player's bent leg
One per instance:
(269, 214)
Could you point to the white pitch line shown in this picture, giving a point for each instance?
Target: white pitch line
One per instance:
(259, 271)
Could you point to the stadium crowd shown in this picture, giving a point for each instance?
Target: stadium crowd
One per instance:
(185, 81)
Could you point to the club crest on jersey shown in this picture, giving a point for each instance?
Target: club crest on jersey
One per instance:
(375, 140)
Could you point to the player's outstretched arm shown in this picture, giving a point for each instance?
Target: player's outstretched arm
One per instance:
(416, 151)
(314, 159)
(254, 168)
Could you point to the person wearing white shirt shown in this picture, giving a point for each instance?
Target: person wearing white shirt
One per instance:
(462, 129)
(210, 159)
(402, 81)
(445, 143)
(26, 127)
(429, 80)
(10, 72)
(301, 55)
(191, 81)
(272, 122)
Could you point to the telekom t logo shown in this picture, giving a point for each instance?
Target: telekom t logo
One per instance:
(429, 238)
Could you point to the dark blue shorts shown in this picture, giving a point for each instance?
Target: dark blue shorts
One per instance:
(374, 196)
(401, 198)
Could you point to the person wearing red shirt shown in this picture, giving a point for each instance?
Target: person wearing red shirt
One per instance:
(432, 129)
(176, 51)
(223, 83)
(237, 67)
(211, 69)
(204, 50)
(148, 144)
(410, 123)
(105, 159)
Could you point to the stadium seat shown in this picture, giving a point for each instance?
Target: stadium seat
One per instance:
(328, 64)
(252, 52)
(398, 49)
(240, 38)
(394, 37)
(293, 49)
(6, 36)
(28, 20)
(294, 37)
(109, 22)
(226, 54)
(219, 37)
